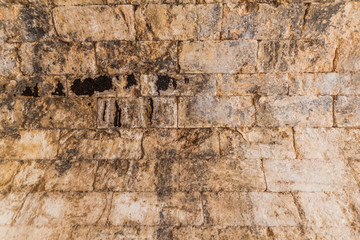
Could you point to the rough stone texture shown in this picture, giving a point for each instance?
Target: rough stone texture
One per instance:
(179, 119)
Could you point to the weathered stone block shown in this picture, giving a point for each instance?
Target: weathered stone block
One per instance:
(95, 23)
(46, 209)
(79, 2)
(137, 175)
(91, 144)
(257, 143)
(34, 233)
(11, 113)
(28, 145)
(10, 204)
(327, 143)
(57, 58)
(145, 57)
(181, 143)
(262, 21)
(216, 111)
(322, 210)
(178, 85)
(276, 111)
(272, 209)
(178, 22)
(205, 57)
(306, 175)
(215, 174)
(347, 111)
(322, 84)
(7, 171)
(141, 208)
(296, 56)
(348, 57)
(114, 232)
(250, 84)
(9, 62)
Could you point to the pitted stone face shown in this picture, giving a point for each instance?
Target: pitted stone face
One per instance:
(179, 119)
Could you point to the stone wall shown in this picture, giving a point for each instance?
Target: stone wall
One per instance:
(179, 119)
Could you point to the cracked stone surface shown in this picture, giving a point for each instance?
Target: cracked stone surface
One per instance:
(179, 119)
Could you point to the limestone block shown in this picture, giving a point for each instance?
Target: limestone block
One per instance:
(178, 22)
(347, 111)
(95, 23)
(9, 62)
(34, 233)
(250, 20)
(29, 144)
(250, 84)
(10, 205)
(218, 57)
(274, 111)
(141, 57)
(348, 57)
(208, 111)
(114, 232)
(57, 58)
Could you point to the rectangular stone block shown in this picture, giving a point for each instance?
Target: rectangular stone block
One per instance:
(10, 204)
(262, 21)
(9, 64)
(113, 232)
(181, 143)
(29, 145)
(11, 113)
(322, 210)
(58, 58)
(322, 84)
(204, 57)
(206, 111)
(306, 175)
(142, 57)
(296, 56)
(227, 209)
(95, 23)
(348, 56)
(251, 84)
(92, 144)
(221, 174)
(182, 209)
(7, 171)
(347, 111)
(257, 143)
(274, 111)
(141, 208)
(46, 209)
(187, 22)
(178, 85)
(137, 175)
(272, 209)
(327, 143)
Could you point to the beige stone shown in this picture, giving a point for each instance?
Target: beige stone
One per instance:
(216, 111)
(178, 85)
(7, 171)
(257, 143)
(347, 111)
(307, 175)
(204, 57)
(322, 210)
(232, 174)
(28, 145)
(250, 84)
(294, 111)
(140, 57)
(51, 209)
(178, 22)
(115, 232)
(9, 62)
(34, 233)
(11, 113)
(348, 57)
(296, 56)
(262, 21)
(163, 112)
(10, 205)
(57, 58)
(9, 12)
(92, 144)
(95, 23)
(327, 143)
(141, 208)
(181, 143)
(78, 2)
(322, 84)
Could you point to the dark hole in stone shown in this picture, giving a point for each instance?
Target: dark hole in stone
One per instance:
(59, 90)
(163, 83)
(31, 93)
(131, 81)
(89, 85)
